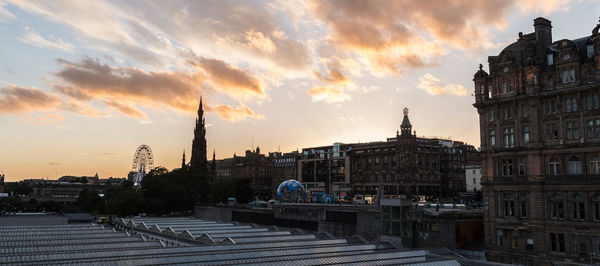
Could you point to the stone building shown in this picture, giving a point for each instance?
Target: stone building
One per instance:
(404, 165)
(325, 169)
(284, 166)
(539, 116)
(253, 166)
(473, 177)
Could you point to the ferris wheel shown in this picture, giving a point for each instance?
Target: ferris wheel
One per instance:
(143, 162)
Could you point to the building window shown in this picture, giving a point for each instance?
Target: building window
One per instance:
(596, 207)
(574, 166)
(565, 77)
(509, 137)
(524, 110)
(506, 166)
(523, 204)
(522, 167)
(595, 165)
(593, 128)
(572, 130)
(504, 87)
(575, 244)
(572, 75)
(550, 84)
(507, 114)
(505, 69)
(596, 101)
(552, 131)
(596, 246)
(557, 242)
(509, 204)
(491, 116)
(590, 50)
(557, 208)
(578, 207)
(550, 107)
(492, 137)
(499, 238)
(550, 58)
(511, 85)
(526, 134)
(554, 166)
(571, 105)
(514, 239)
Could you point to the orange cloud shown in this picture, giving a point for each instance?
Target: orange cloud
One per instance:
(335, 75)
(89, 79)
(125, 109)
(229, 79)
(435, 86)
(15, 99)
(241, 112)
(397, 35)
(328, 95)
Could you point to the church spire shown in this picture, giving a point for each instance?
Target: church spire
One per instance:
(198, 159)
(183, 160)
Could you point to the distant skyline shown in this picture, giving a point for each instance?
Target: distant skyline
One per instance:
(84, 83)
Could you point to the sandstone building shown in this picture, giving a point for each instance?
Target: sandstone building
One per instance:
(539, 116)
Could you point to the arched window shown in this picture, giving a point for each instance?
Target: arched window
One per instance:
(554, 166)
(578, 207)
(596, 207)
(557, 207)
(595, 165)
(574, 166)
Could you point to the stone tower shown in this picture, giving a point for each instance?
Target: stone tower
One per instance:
(198, 161)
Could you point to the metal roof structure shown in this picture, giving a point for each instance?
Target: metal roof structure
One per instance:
(158, 241)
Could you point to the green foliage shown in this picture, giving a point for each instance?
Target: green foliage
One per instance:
(167, 192)
(90, 201)
(123, 200)
(221, 189)
(243, 190)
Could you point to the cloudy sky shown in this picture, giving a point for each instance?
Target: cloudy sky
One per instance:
(83, 83)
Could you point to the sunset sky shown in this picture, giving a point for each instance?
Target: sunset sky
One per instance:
(83, 83)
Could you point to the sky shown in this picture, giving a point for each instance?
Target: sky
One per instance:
(84, 83)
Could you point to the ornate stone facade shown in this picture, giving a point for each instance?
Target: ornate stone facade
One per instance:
(540, 136)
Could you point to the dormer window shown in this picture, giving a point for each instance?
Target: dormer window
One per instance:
(550, 58)
(505, 69)
(590, 50)
(565, 57)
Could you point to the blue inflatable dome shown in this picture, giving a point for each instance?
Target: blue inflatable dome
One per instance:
(290, 191)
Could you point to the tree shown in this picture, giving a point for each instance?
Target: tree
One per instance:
(221, 189)
(123, 200)
(243, 190)
(89, 201)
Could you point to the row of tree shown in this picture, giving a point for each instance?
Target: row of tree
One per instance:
(165, 192)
